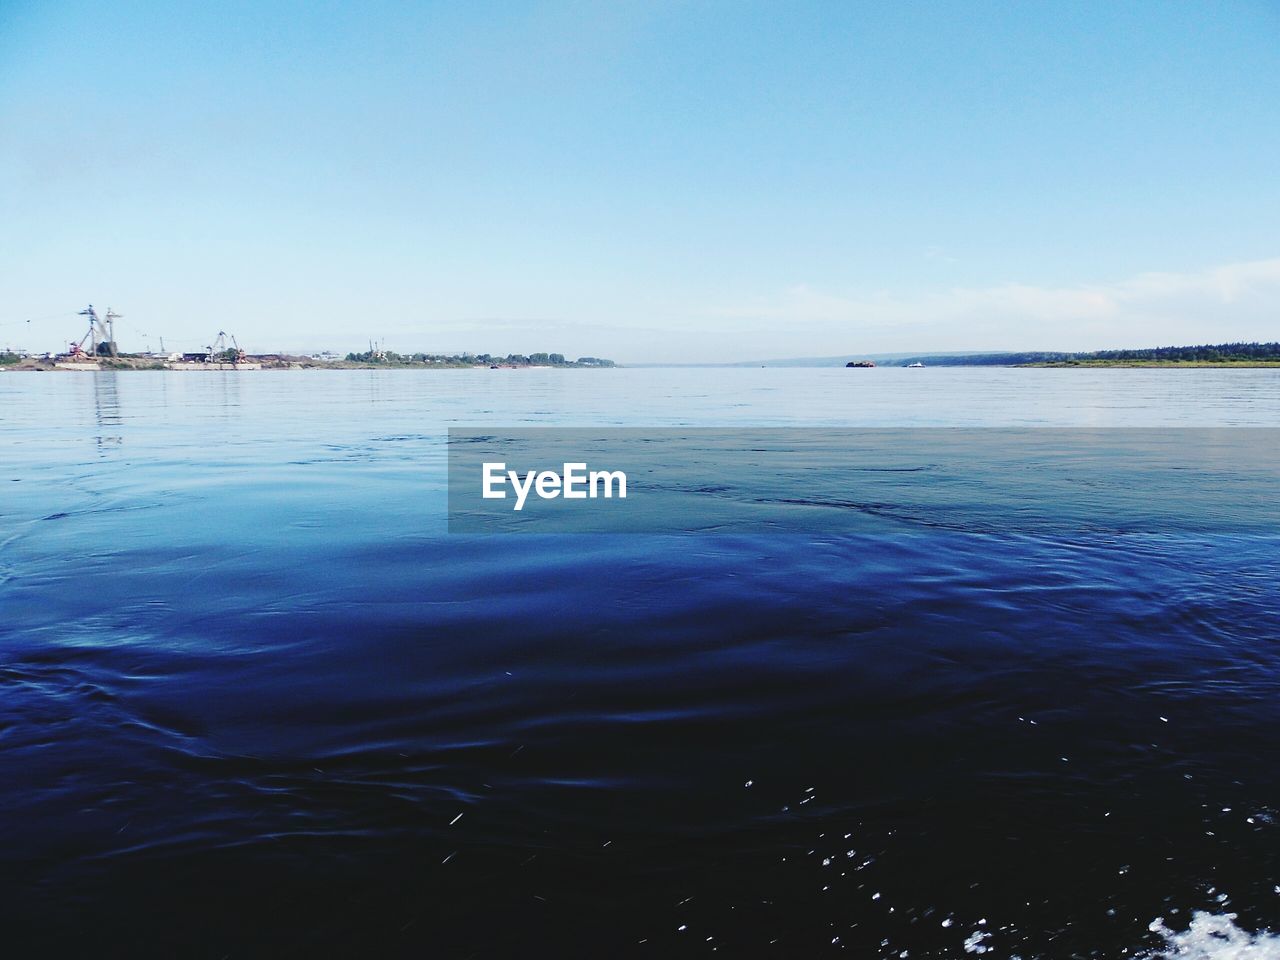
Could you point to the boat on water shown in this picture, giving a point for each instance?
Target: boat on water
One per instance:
(913, 365)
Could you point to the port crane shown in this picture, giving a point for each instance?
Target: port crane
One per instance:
(219, 347)
(102, 330)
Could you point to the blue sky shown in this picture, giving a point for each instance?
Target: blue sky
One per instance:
(644, 181)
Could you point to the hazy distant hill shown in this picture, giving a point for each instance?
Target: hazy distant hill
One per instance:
(889, 359)
(1010, 359)
(882, 358)
(1013, 358)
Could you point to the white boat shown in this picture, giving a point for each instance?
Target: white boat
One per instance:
(910, 365)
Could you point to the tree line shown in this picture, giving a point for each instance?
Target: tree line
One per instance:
(1217, 352)
(389, 357)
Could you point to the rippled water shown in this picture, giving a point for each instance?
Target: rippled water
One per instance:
(254, 700)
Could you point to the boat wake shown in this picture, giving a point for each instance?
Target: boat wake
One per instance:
(1214, 937)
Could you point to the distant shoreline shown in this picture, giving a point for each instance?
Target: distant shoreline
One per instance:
(131, 364)
(1161, 364)
(263, 368)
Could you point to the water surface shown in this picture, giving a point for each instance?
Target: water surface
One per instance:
(257, 701)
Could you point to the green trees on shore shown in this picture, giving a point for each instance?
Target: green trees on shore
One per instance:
(1204, 353)
(393, 359)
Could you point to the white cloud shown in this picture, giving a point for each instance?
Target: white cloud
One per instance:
(1239, 301)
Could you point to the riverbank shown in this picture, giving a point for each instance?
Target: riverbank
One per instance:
(1183, 364)
(31, 365)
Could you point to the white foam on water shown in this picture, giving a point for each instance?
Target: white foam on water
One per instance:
(1214, 937)
(976, 943)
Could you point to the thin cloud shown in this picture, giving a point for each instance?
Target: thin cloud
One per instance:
(1231, 301)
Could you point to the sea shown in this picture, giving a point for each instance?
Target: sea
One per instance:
(257, 700)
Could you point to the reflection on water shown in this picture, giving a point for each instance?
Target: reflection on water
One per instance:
(106, 406)
(254, 699)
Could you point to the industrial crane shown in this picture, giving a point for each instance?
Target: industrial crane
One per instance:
(219, 347)
(102, 330)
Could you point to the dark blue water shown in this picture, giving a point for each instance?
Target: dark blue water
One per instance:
(255, 701)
